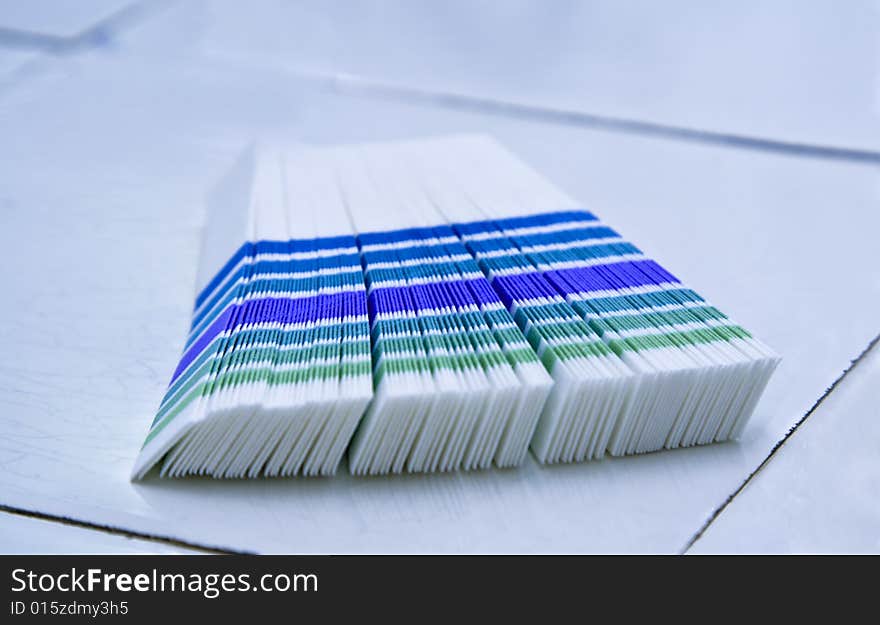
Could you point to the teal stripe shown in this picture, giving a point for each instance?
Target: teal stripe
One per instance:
(275, 285)
(624, 323)
(267, 374)
(436, 272)
(284, 339)
(642, 300)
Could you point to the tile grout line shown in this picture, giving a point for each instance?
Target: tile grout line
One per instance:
(117, 531)
(347, 83)
(45, 46)
(90, 37)
(720, 509)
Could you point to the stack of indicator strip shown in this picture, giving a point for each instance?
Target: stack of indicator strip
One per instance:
(431, 306)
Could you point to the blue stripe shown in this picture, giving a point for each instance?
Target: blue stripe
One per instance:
(273, 247)
(614, 276)
(241, 253)
(522, 287)
(298, 246)
(415, 252)
(290, 285)
(404, 234)
(220, 324)
(299, 265)
(528, 221)
(276, 309)
(564, 236)
(394, 236)
(431, 296)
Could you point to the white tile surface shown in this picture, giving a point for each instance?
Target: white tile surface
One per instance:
(24, 535)
(12, 60)
(102, 206)
(820, 493)
(798, 71)
(63, 18)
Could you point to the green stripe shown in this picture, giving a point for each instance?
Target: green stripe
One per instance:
(521, 356)
(614, 303)
(475, 339)
(268, 373)
(678, 339)
(277, 285)
(391, 364)
(284, 338)
(639, 321)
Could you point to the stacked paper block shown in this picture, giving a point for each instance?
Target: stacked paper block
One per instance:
(430, 306)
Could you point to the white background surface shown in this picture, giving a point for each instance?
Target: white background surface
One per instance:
(110, 154)
(11, 60)
(785, 69)
(821, 491)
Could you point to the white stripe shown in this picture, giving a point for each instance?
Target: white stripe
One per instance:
(456, 258)
(593, 262)
(428, 312)
(423, 280)
(499, 234)
(297, 366)
(207, 321)
(550, 247)
(305, 255)
(435, 353)
(546, 321)
(632, 290)
(378, 247)
(577, 264)
(302, 325)
(274, 276)
(182, 394)
(439, 332)
(538, 301)
(647, 309)
(278, 348)
(294, 295)
(677, 327)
